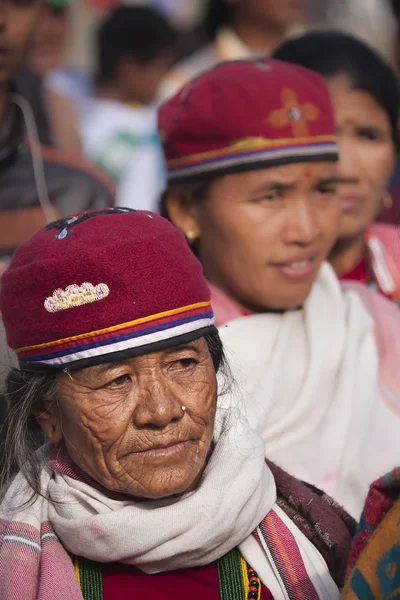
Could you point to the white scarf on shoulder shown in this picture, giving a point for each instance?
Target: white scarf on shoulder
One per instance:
(308, 382)
(235, 494)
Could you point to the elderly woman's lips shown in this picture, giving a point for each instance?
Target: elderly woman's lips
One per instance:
(165, 450)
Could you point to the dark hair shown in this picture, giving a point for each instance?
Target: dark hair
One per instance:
(134, 31)
(219, 14)
(330, 53)
(26, 390)
(396, 8)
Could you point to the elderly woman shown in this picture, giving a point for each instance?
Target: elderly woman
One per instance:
(146, 488)
(252, 160)
(367, 114)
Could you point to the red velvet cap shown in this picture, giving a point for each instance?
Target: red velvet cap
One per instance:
(101, 286)
(247, 115)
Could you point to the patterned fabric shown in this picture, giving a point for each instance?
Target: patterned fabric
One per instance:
(247, 115)
(326, 524)
(35, 566)
(374, 571)
(111, 282)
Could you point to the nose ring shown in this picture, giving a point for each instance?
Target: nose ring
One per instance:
(183, 408)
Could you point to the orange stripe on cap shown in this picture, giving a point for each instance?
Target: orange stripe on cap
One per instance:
(168, 313)
(249, 144)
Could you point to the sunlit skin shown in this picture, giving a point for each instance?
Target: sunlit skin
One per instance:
(123, 423)
(253, 226)
(367, 161)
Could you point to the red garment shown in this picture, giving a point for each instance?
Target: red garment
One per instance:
(358, 273)
(123, 582)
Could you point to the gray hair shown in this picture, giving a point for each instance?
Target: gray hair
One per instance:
(27, 391)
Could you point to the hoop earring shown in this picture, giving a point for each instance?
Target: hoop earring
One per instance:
(387, 200)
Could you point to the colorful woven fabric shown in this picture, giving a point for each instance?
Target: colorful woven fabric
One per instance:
(326, 524)
(233, 578)
(374, 566)
(104, 285)
(247, 115)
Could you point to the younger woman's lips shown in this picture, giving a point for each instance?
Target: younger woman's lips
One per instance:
(297, 270)
(349, 203)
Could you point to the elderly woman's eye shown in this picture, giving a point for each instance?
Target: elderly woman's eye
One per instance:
(119, 381)
(184, 363)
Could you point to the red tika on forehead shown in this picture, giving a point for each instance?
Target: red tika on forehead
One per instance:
(247, 115)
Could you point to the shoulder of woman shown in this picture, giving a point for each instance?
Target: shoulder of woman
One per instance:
(386, 317)
(326, 524)
(387, 234)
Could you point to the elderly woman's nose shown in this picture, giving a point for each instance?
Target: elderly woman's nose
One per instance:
(158, 405)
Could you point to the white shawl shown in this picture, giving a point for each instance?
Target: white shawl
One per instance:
(309, 384)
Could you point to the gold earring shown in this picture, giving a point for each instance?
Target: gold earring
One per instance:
(388, 200)
(191, 236)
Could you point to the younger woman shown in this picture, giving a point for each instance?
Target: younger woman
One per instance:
(366, 102)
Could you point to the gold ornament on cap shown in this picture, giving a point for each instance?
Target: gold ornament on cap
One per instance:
(75, 295)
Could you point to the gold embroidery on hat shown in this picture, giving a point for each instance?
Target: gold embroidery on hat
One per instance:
(293, 113)
(75, 295)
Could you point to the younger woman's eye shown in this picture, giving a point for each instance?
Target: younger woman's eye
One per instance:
(327, 189)
(268, 196)
(119, 381)
(370, 134)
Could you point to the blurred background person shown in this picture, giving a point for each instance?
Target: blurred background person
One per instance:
(136, 47)
(366, 100)
(37, 183)
(237, 29)
(61, 88)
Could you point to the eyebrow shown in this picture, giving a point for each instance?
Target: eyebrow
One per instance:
(100, 369)
(267, 187)
(187, 346)
(329, 180)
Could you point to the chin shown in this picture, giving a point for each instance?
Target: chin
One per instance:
(350, 226)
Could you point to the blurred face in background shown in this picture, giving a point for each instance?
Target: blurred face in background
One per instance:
(18, 19)
(140, 81)
(263, 235)
(277, 14)
(367, 155)
(50, 39)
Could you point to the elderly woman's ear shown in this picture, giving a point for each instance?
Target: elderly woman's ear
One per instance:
(49, 419)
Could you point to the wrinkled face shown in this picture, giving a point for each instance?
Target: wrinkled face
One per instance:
(262, 235)
(277, 14)
(18, 19)
(123, 423)
(367, 155)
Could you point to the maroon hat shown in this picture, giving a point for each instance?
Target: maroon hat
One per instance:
(247, 115)
(102, 286)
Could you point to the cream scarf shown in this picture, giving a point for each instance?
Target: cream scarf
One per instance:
(309, 384)
(235, 494)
